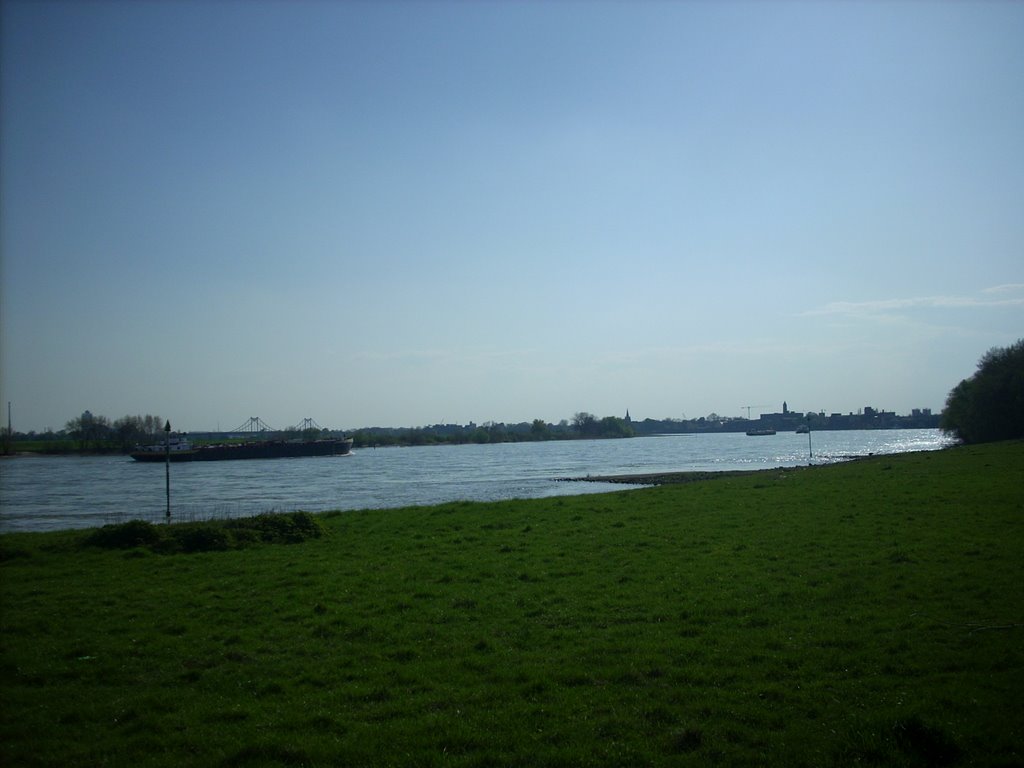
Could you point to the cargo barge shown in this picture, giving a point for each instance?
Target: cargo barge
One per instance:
(180, 449)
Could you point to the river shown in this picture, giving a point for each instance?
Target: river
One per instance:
(57, 492)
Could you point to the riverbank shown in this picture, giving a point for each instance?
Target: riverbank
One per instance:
(47, 493)
(865, 612)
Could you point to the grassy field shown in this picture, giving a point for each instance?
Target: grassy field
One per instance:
(867, 613)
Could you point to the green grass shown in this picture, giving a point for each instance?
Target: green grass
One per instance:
(867, 613)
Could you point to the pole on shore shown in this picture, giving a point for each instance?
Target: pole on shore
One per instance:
(810, 452)
(167, 466)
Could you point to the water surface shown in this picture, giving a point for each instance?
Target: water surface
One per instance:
(46, 493)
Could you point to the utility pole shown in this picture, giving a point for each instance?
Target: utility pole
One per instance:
(167, 466)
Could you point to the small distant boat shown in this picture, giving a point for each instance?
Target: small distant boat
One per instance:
(803, 429)
(180, 449)
(759, 432)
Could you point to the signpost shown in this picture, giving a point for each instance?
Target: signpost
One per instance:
(167, 466)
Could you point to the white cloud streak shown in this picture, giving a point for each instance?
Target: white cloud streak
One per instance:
(1008, 288)
(885, 306)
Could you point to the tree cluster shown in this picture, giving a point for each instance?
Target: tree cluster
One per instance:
(98, 433)
(588, 425)
(989, 406)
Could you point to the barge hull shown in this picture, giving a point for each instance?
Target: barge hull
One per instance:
(268, 449)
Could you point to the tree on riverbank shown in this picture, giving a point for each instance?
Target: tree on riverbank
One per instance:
(90, 432)
(989, 405)
(99, 434)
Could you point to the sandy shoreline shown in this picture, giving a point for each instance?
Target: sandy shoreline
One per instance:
(669, 478)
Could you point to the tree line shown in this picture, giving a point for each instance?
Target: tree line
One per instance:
(90, 433)
(583, 426)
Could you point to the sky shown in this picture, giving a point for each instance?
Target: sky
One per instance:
(410, 213)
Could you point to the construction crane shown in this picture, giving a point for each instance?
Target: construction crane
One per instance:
(748, 407)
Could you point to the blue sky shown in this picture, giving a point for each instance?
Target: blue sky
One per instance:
(409, 213)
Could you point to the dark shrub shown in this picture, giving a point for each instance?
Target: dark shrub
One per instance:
(245, 537)
(134, 533)
(211, 536)
(202, 538)
(306, 525)
(10, 553)
(287, 528)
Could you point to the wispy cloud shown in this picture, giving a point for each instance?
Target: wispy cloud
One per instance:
(440, 355)
(889, 306)
(1008, 288)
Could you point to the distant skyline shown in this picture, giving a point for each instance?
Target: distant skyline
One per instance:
(410, 213)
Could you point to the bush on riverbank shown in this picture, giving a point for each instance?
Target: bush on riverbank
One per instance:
(209, 536)
(989, 406)
(861, 613)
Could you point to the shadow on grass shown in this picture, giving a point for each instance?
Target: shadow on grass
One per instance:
(908, 741)
(929, 745)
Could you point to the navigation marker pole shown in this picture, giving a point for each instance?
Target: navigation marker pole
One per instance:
(810, 453)
(167, 466)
